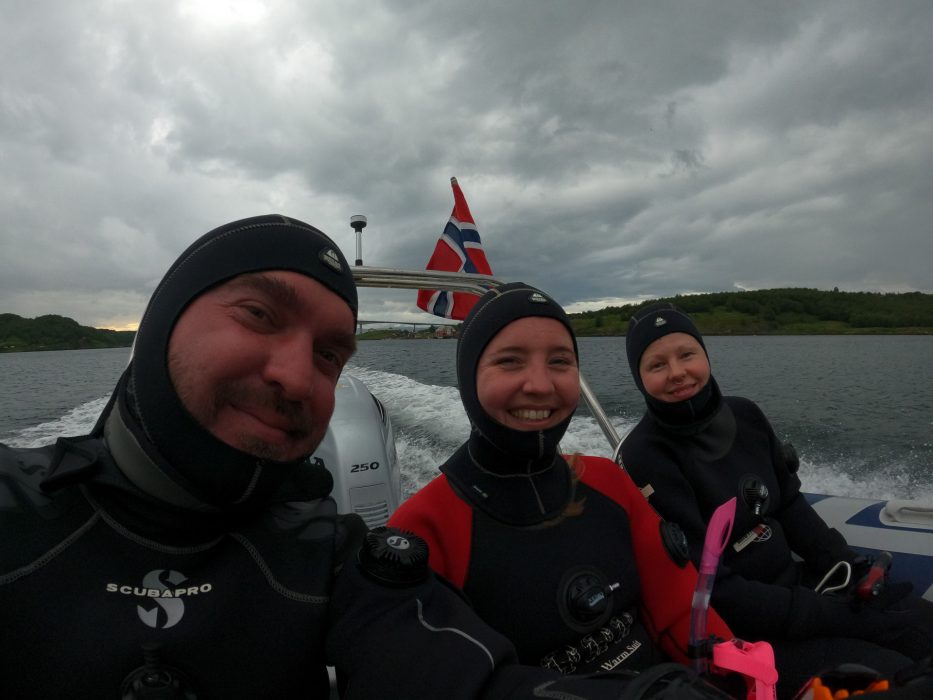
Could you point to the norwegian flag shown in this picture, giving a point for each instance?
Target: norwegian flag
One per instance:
(459, 249)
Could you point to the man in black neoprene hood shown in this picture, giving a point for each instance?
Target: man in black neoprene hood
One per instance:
(188, 548)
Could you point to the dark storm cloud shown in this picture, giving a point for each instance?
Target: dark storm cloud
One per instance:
(606, 149)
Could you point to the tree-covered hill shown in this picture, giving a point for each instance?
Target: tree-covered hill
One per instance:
(763, 312)
(56, 333)
(782, 311)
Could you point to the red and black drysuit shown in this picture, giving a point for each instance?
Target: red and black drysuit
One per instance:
(594, 590)
(518, 576)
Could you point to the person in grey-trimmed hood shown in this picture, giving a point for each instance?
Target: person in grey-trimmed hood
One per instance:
(695, 449)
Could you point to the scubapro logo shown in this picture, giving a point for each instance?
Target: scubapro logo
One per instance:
(398, 542)
(163, 587)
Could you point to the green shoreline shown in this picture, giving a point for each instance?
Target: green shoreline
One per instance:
(795, 311)
(52, 332)
(426, 335)
(768, 312)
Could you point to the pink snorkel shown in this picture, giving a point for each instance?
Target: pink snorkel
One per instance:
(753, 660)
(717, 536)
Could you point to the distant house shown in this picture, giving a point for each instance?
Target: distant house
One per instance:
(445, 332)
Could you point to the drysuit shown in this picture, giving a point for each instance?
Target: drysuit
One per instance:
(530, 580)
(96, 580)
(566, 560)
(691, 456)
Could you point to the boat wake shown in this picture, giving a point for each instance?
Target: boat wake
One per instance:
(430, 424)
(78, 421)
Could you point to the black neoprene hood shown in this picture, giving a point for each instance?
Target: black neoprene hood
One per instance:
(650, 323)
(212, 470)
(494, 311)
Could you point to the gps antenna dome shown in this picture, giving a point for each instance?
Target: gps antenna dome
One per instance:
(358, 223)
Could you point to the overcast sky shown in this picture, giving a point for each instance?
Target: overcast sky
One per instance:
(608, 150)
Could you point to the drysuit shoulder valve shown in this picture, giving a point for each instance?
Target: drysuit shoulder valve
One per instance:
(394, 557)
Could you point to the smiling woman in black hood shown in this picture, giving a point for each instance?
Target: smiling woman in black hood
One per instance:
(519, 466)
(693, 394)
(561, 554)
(695, 449)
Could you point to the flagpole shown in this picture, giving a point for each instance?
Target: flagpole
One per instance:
(358, 223)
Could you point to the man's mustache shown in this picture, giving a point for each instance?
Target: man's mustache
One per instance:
(297, 418)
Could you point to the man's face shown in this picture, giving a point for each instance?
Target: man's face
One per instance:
(256, 360)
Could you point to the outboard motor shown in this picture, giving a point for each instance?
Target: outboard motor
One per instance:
(359, 451)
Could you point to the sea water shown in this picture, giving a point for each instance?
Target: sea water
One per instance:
(859, 409)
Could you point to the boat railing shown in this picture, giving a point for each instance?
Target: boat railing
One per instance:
(392, 278)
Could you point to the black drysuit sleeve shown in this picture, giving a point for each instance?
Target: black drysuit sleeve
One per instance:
(424, 641)
(818, 545)
(421, 641)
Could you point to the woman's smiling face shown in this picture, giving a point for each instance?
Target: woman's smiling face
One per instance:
(674, 368)
(527, 377)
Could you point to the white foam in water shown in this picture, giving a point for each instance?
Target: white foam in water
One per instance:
(890, 482)
(422, 410)
(430, 424)
(585, 437)
(419, 462)
(78, 421)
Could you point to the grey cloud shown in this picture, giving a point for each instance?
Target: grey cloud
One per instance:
(607, 149)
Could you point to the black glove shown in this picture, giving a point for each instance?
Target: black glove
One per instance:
(871, 586)
(904, 630)
(890, 595)
(840, 618)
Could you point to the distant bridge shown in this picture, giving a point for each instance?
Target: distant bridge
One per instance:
(404, 324)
